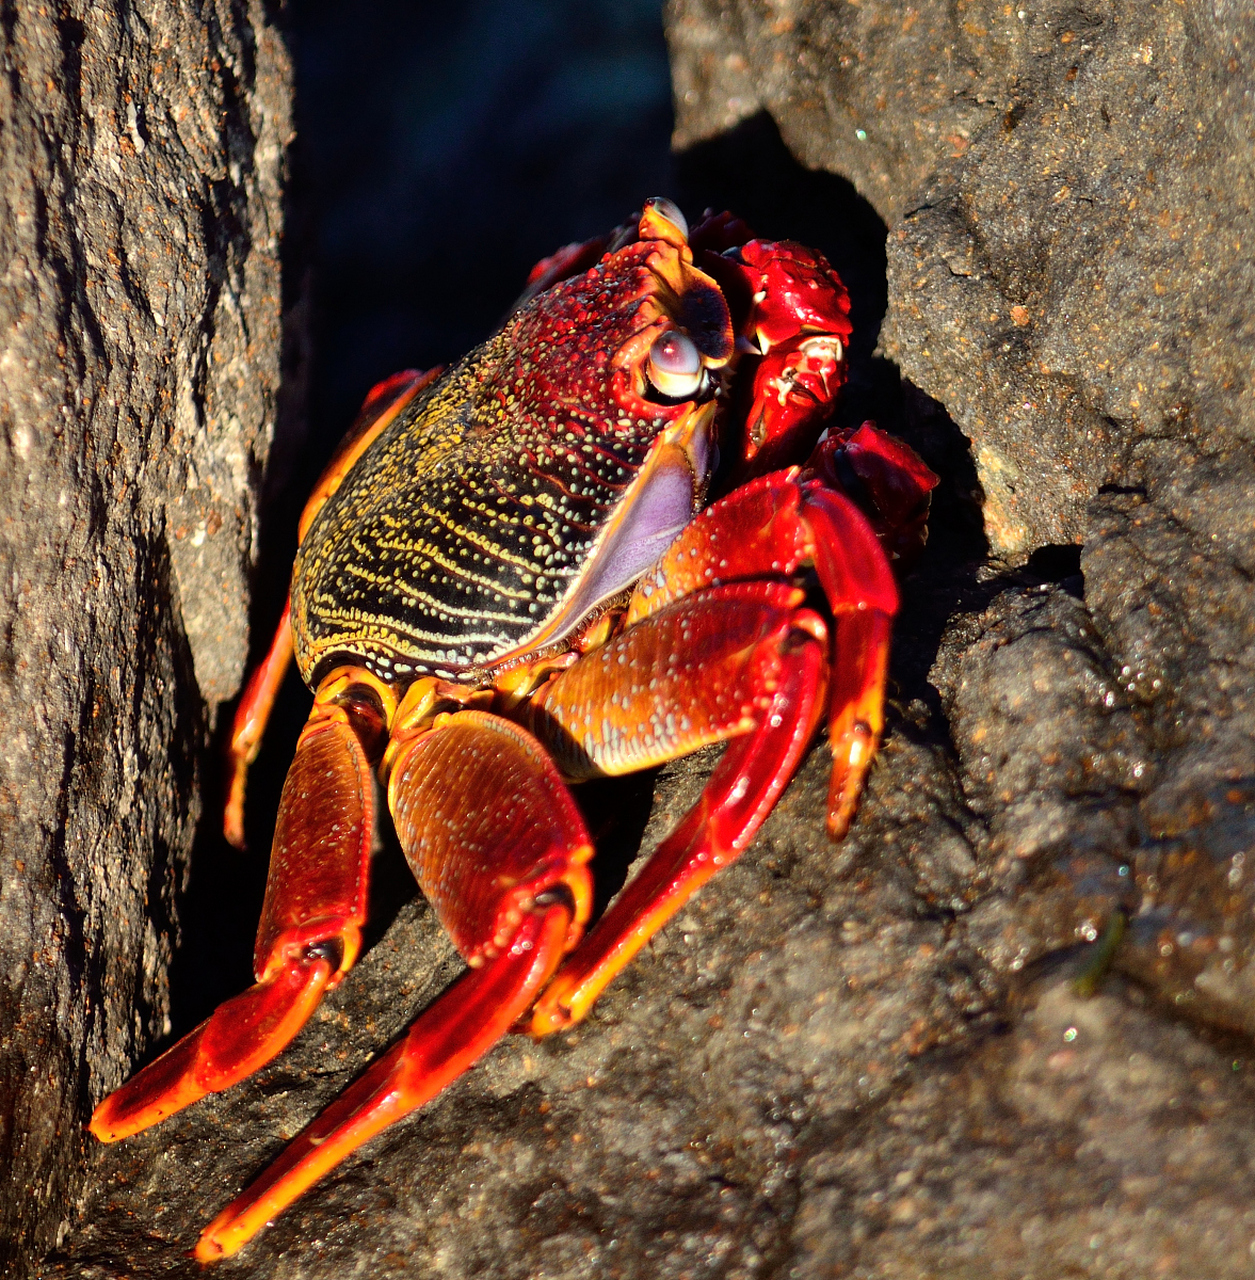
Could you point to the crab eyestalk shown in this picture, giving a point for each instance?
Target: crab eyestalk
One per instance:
(675, 365)
(661, 219)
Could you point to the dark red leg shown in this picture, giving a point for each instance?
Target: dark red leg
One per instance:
(742, 662)
(859, 585)
(446, 1041)
(773, 526)
(309, 933)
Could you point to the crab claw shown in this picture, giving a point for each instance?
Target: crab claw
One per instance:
(794, 315)
(886, 479)
(242, 1035)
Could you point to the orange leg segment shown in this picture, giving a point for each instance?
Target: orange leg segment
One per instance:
(736, 660)
(231, 1044)
(250, 723)
(859, 585)
(488, 827)
(499, 849)
(309, 935)
(447, 1040)
(772, 526)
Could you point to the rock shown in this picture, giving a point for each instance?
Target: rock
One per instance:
(1056, 282)
(1053, 760)
(142, 164)
(880, 96)
(1058, 289)
(1092, 1139)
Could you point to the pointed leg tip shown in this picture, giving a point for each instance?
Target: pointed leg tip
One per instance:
(233, 833)
(233, 810)
(838, 825)
(166, 1085)
(209, 1248)
(234, 1227)
(552, 1011)
(121, 1115)
(843, 797)
(99, 1125)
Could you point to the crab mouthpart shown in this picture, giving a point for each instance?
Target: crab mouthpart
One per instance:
(823, 347)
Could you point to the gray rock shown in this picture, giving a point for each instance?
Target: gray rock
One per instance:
(881, 96)
(142, 165)
(1075, 287)
(1058, 289)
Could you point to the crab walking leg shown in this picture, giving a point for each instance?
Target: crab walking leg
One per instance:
(309, 935)
(499, 849)
(251, 716)
(773, 526)
(858, 582)
(446, 1041)
(741, 661)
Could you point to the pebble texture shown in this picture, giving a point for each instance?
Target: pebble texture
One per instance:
(141, 158)
(870, 1060)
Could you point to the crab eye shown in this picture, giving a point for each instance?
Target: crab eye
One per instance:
(667, 209)
(675, 367)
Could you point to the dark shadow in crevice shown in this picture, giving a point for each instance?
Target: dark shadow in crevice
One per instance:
(392, 883)
(222, 905)
(1055, 562)
(616, 811)
(1060, 563)
(947, 580)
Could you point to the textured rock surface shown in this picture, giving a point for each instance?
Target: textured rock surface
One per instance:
(141, 169)
(1077, 290)
(880, 94)
(1081, 277)
(869, 1060)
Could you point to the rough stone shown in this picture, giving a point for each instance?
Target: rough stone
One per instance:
(142, 163)
(881, 95)
(1075, 287)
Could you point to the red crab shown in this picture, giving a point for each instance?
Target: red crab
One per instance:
(507, 583)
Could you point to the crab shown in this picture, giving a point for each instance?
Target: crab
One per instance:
(508, 581)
